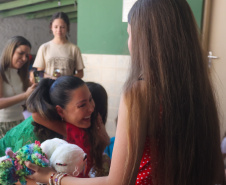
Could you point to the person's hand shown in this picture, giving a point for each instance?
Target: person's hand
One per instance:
(31, 77)
(41, 174)
(50, 76)
(57, 74)
(30, 90)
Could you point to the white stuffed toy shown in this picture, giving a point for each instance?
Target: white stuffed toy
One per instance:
(64, 157)
(50, 145)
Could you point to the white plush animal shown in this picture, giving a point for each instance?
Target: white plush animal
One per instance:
(64, 157)
(50, 145)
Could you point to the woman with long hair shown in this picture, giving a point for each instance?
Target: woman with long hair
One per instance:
(168, 126)
(14, 82)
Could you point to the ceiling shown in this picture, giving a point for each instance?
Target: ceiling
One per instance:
(36, 9)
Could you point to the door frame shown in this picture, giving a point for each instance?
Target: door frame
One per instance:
(206, 26)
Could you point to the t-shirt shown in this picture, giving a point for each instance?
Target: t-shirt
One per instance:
(64, 57)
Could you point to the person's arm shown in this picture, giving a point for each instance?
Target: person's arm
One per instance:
(56, 126)
(79, 63)
(119, 157)
(79, 73)
(9, 101)
(32, 78)
(45, 74)
(29, 182)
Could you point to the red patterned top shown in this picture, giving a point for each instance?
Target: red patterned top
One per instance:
(80, 137)
(144, 174)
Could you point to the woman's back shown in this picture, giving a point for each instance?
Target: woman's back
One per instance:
(166, 53)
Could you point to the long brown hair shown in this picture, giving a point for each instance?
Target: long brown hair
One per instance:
(167, 55)
(99, 117)
(6, 59)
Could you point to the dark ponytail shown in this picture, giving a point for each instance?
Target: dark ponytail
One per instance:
(39, 101)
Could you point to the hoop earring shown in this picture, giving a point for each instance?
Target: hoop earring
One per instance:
(76, 172)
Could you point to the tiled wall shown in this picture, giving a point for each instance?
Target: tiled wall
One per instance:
(111, 72)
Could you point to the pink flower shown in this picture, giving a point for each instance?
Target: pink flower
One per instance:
(18, 165)
(38, 143)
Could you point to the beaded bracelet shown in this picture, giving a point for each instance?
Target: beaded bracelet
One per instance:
(57, 178)
(60, 177)
(51, 179)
